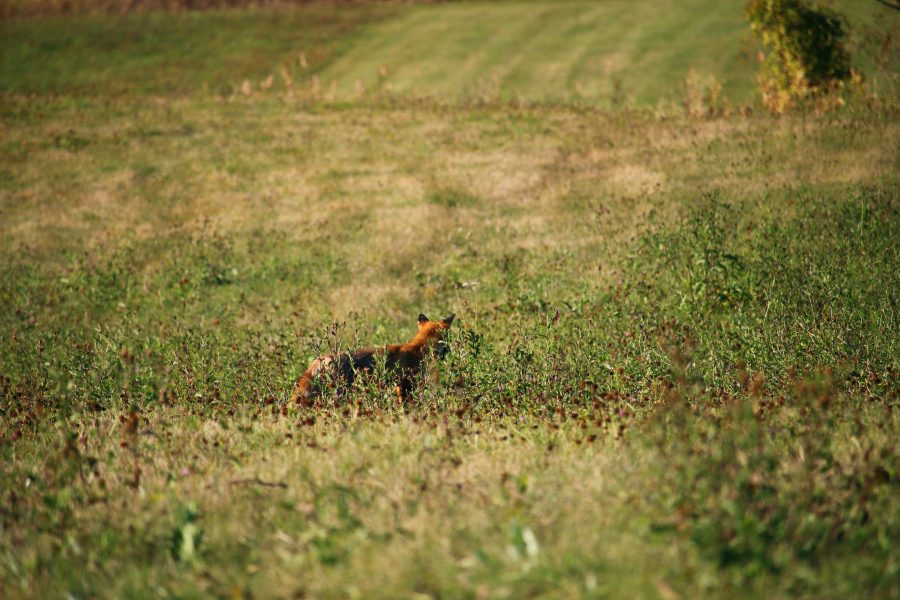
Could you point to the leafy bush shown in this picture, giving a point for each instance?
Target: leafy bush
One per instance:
(807, 47)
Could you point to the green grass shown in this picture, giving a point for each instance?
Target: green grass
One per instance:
(166, 53)
(550, 51)
(674, 368)
(610, 53)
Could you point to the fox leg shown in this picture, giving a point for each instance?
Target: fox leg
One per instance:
(404, 390)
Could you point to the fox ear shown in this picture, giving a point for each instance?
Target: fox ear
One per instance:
(449, 320)
(422, 318)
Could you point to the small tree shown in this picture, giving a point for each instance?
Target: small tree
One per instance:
(807, 53)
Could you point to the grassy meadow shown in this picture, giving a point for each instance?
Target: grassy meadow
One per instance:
(675, 361)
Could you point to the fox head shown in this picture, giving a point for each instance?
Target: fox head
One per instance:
(432, 334)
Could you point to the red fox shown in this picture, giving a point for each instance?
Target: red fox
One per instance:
(405, 360)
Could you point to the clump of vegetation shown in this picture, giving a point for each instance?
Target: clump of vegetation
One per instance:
(807, 50)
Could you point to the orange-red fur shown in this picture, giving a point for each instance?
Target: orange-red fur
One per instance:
(406, 360)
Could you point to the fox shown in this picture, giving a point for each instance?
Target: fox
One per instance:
(405, 361)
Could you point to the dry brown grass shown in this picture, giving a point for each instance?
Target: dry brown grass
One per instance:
(359, 181)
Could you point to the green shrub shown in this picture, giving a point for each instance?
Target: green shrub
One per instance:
(807, 52)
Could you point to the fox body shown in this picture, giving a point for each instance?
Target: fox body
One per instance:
(406, 361)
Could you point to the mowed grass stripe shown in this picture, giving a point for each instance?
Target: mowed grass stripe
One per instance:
(545, 51)
(668, 42)
(171, 52)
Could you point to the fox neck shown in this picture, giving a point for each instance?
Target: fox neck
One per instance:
(418, 344)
